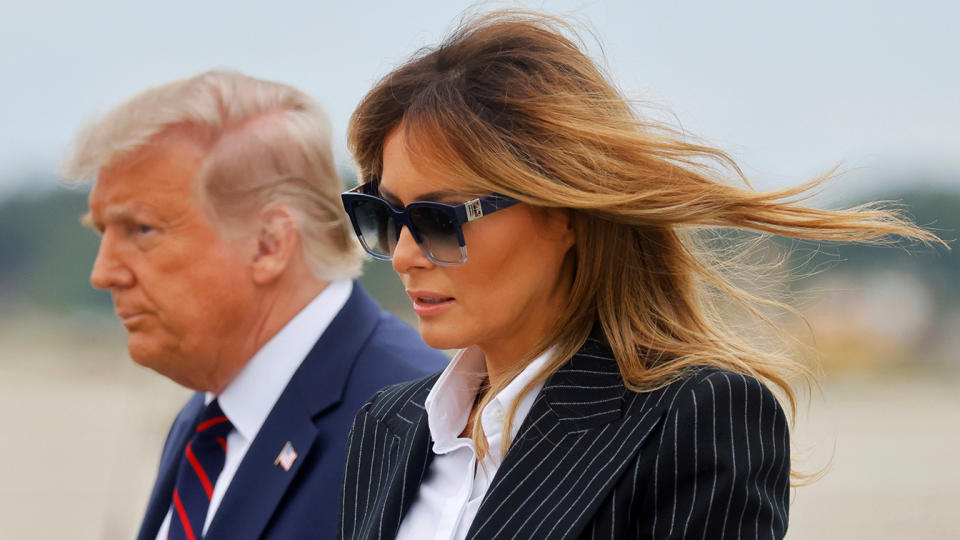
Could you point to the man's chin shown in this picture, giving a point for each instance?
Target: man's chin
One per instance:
(150, 356)
(152, 362)
(170, 372)
(171, 363)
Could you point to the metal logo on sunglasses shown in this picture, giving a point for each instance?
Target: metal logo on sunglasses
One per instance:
(474, 209)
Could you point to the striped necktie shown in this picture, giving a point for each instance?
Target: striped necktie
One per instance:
(199, 468)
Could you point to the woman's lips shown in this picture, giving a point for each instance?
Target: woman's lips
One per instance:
(426, 303)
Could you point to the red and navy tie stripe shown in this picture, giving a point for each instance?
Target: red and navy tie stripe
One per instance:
(199, 468)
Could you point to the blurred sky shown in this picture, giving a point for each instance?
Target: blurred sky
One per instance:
(790, 88)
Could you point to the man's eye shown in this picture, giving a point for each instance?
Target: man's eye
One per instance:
(140, 228)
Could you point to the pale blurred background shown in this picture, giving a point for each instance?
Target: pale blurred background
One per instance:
(791, 90)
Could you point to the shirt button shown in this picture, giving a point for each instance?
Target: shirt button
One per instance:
(498, 415)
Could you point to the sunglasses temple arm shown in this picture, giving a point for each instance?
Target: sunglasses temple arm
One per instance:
(493, 203)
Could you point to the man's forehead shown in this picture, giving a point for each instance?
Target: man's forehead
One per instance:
(164, 150)
(117, 211)
(148, 179)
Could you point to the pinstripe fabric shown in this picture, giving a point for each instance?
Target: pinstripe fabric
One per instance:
(705, 457)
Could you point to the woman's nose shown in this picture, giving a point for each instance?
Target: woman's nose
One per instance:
(407, 254)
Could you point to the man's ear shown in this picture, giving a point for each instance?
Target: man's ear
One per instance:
(277, 242)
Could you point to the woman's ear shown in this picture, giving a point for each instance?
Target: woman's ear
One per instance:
(277, 240)
(558, 224)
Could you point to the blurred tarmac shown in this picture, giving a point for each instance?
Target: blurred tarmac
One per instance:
(894, 443)
(83, 429)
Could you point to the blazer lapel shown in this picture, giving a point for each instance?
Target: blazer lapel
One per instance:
(260, 482)
(162, 492)
(388, 453)
(570, 450)
(409, 457)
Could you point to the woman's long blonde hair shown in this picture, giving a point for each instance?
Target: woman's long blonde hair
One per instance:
(509, 103)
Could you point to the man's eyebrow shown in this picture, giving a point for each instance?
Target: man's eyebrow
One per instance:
(118, 213)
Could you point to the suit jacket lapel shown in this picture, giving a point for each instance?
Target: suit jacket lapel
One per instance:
(413, 455)
(570, 450)
(388, 453)
(259, 483)
(169, 464)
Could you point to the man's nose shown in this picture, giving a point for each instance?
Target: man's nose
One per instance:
(407, 255)
(109, 271)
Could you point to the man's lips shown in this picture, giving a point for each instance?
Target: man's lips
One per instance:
(129, 317)
(429, 303)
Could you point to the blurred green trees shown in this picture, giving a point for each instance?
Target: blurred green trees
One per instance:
(46, 255)
(935, 210)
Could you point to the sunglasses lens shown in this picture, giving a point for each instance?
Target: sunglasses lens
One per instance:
(438, 234)
(377, 232)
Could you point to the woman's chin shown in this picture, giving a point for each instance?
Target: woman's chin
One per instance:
(438, 337)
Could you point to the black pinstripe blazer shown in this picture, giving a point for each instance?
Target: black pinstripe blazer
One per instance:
(705, 457)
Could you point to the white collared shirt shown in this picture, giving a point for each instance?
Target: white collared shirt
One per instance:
(251, 395)
(454, 485)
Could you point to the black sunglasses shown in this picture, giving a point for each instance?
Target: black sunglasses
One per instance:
(436, 227)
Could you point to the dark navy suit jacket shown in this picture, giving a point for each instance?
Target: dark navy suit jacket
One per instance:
(363, 349)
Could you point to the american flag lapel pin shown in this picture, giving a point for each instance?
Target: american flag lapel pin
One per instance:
(286, 457)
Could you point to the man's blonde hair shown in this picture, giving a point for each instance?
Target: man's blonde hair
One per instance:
(265, 143)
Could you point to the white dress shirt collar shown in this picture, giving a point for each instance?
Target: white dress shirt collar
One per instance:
(249, 398)
(452, 491)
(251, 395)
(451, 399)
